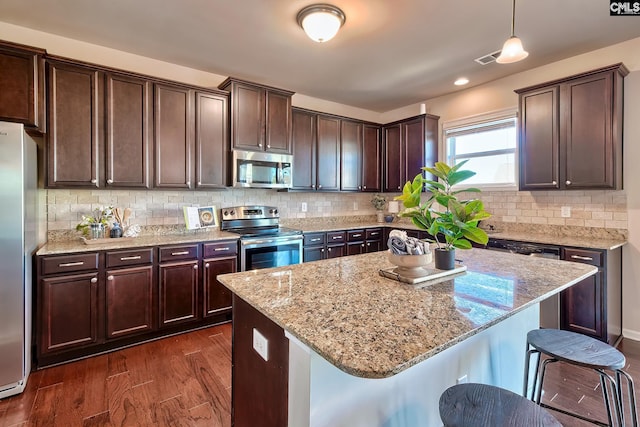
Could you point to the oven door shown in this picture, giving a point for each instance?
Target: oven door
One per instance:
(270, 252)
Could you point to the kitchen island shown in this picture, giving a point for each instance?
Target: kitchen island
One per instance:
(345, 346)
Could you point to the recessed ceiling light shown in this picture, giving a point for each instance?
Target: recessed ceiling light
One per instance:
(461, 81)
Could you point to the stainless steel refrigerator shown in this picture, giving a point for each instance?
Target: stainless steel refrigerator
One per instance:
(20, 228)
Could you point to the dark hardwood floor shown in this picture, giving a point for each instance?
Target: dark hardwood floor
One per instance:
(186, 381)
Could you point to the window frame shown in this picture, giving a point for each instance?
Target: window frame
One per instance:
(479, 119)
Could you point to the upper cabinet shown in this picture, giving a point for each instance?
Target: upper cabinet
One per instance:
(408, 146)
(22, 85)
(212, 139)
(571, 132)
(371, 158)
(260, 117)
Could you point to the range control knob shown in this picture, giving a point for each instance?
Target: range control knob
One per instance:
(233, 212)
(225, 213)
(275, 211)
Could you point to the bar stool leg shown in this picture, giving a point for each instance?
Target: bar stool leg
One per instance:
(632, 396)
(544, 368)
(527, 362)
(610, 390)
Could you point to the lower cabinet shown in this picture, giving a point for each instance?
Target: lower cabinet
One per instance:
(364, 241)
(334, 244)
(92, 302)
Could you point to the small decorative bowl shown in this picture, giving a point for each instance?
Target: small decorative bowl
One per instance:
(410, 265)
(388, 218)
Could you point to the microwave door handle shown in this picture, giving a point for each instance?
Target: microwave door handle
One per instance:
(279, 174)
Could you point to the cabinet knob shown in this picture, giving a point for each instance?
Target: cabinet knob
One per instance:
(313, 186)
(109, 181)
(398, 187)
(206, 265)
(93, 181)
(199, 182)
(329, 249)
(568, 182)
(268, 145)
(260, 145)
(195, 267)
(94, 280)
(322, 250)
(554, 182)
(368, 244)
(188, 183)
(319, 185)
(110, 278)
(362, 245)
(364, 186)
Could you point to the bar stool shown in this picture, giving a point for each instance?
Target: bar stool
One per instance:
(580, 350)
(480, 405)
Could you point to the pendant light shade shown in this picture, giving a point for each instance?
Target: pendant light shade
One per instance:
(321, 22)
(512, 50)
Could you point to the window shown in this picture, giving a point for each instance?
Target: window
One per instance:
(488, 143)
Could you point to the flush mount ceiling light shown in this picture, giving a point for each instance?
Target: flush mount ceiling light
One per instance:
(321, 22)
(461, 81)
(512, 51)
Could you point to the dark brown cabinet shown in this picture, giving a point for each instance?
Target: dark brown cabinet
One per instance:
(371, 158)
(173, 136)
(128, 131)
(129, 292)
(408, 146)
(178, 284)
(75, 136)
(364, 241)
(304, 149)
(351, 155)
(571, 132)
(219, 258)
(212, 140)
(328, 154)
(334, 244)
(593, 306)
(22, 85)
(260, 116)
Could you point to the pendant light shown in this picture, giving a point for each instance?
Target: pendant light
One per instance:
(512, 51)
(321, 22)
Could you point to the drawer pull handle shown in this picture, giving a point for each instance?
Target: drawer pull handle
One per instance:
(130, 258)
(71, 264)
(337, 237)
(110, 278)
(180, 253)
(583, 258)
(375, 233)
(357, 235)
(94, 280)
(221, 249)
(315, 240)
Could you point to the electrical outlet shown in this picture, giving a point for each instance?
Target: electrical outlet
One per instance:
(303, 206)
(260, 344)
(355, 206)
(463, 379)
(565, 211)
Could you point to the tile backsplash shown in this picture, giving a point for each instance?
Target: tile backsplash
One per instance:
(596, 208)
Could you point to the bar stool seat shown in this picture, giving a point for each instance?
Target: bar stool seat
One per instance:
(480, 405)
(580, 350)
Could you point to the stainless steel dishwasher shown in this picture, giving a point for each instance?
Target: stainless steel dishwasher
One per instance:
(550, 307)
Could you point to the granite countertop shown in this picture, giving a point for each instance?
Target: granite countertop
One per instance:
(551, 239)
(374, 327)
(75, 246)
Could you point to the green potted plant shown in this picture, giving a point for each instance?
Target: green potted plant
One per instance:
(455, 224)
(378, 201)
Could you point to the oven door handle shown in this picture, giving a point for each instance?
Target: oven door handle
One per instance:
(288, 239)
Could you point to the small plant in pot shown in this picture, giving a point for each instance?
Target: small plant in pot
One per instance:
(378, 201)
(455, 224)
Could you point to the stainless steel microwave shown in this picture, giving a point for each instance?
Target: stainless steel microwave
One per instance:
(261, 170)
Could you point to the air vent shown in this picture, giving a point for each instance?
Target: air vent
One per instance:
(488, 59)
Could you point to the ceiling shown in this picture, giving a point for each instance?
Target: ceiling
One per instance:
(389, 53)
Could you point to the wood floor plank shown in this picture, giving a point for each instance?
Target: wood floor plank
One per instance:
(147, 407)
(18, 408)
(173, 412)
(116, 363)
(187, 384)
(72, 397)
(219, 396)
(203, 416)
(45, 406)
(98, 420)
(138, 360)
(96, 387)
(122, 407)
(219, 356)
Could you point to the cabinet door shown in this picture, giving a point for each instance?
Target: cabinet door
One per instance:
(278, 122)
(430, 143)
(539, 139)
(178, 293)
(414, 141)
(304, 150)
(69, 317)
(247, 117)
(394, 171)
(355, 248)
(21, 86)
(173, 136)
(588, 132)
(313, 253)
(212, 146)
(373, 246)
(128, 131)
(217, 297)
(75, 101)
(129, 294)
(371, 159)
(336, 251)
(351, 148)
(328, 152)
(581, 307)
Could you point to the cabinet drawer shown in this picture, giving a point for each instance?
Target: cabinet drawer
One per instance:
(178, 253)
(336, 237)
(218, 249)
(374, 234)
(313, 239)
(129, 257)
(67, 263)
(355, 235)
(584, 256)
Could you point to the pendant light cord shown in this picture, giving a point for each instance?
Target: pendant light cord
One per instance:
(513, 19)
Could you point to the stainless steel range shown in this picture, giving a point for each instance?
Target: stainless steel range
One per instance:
(263, 243)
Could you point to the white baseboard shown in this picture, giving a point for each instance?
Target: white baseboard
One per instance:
(631, 334)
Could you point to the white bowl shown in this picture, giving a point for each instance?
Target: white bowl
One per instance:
(410, 265)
